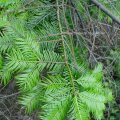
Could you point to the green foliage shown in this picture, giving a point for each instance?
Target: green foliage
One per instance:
(48, 66)
(1, 61)
(116, 55)
(112, 6)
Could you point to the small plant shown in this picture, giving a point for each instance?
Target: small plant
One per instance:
(48, 65)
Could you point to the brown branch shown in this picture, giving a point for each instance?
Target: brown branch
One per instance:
(72, 4)
(106, 11)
